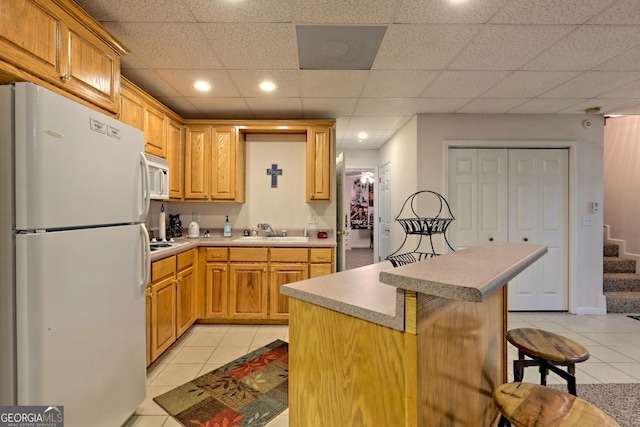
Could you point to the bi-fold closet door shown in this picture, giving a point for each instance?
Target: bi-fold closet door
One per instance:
(515, 195)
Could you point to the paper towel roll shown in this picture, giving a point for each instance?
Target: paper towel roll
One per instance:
(162, 232)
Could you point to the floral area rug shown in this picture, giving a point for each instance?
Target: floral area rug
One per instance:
(248, 392)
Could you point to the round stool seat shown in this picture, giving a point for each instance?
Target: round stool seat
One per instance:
(547, 345)
(531, 405)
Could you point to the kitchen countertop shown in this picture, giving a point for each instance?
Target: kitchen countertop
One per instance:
(376, 292)
(216, 240)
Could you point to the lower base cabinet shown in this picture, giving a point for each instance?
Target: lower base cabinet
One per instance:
(171, 301)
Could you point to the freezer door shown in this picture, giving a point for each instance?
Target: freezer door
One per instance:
(80, 314)
(73, 165)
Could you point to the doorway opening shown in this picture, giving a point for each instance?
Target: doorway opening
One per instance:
(359, 217)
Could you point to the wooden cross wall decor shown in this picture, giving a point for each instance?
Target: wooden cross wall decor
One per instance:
(274, 172)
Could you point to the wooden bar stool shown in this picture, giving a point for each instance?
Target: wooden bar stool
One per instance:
(532, 405)
(547, 351)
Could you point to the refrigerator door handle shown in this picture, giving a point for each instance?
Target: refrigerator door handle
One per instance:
(146, 258)
(146, 187)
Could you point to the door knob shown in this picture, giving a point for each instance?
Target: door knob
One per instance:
(525, 239)
(491, 239)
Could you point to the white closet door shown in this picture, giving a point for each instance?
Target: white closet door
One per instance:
(538, 213)
(478, 194)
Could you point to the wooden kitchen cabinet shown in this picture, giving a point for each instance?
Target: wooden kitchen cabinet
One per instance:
(147, 299)
(214, 164)
(287, 265)
(64, 46)
(172, 301)
(320, 262)
(248, 280)
(185, 291)
(131, 108)
(175, 157)
(155, 141)
(319, 162)
(216, 292)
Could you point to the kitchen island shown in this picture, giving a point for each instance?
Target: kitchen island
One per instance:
(419, 345)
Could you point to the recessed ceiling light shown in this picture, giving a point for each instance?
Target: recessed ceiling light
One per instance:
(202, 86)
(362, 135)
(267, 86)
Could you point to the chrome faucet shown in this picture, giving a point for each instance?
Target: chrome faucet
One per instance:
(267, 228)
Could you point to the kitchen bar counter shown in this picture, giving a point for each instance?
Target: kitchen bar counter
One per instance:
(216, 240)
(425, 349)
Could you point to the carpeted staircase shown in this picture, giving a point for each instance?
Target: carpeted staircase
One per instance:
(621, 284)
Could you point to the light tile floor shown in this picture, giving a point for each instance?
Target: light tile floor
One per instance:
(613, 341)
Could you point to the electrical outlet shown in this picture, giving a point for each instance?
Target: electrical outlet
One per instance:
(314, 219)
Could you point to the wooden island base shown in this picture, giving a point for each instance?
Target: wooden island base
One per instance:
(440, 371)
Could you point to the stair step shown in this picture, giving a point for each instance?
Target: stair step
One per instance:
(621, 282)
(611, 250)
(619, 265)
(623, 302)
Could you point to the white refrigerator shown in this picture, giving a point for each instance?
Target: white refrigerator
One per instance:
(74, 258)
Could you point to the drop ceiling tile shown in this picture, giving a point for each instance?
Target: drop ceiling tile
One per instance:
(586, 47)
(248, 81)
(544, 106)
(150, 81)
(447, 12)
(344, 11)
(183, 80)
(628, 91)
(222, 108)
(528, 84)
(240, 11)
(181, 106)
(254, 46)
(332, 84)
(372, 122)
(440, 105)
(383, 106)
(397, 83)
(328, 107)
(548, 11)
(591, 84)
(626, 61)
(491, 106)
(166, 45)
(137, 11)
(507, 47)
(371, 135)
(422, 47)
(633, 109)
(623, 12)
(463, 84)
(276, 108)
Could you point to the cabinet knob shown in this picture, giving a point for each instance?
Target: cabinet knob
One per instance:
(312, 195)
(265, 270)
(65, 78)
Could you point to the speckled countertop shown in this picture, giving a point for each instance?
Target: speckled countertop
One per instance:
(216, 240)
(376, 292)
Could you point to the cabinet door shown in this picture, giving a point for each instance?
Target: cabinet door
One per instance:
(216, 291)
(224, 162)
(196, 172)
(175, 159)
(281, 274)
(163, 316)
(185, 300)
(92, 67)
(318, 164)
(320, 269)
(131, 110)
(248, 291)
(148, 317)
(154, 133)
(29, 38)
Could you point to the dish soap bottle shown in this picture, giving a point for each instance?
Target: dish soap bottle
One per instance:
(227, 227)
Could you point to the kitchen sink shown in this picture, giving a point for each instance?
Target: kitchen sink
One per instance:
(281, 239)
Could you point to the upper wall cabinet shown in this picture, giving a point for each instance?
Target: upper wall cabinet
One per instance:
(319, 163)
(59, 43)
(214, 164)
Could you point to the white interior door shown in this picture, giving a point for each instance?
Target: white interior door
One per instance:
(516, 195)
(340, 223)
(538, 213)
(383, 209)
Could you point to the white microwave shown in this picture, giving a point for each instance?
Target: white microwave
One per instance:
(158, 177)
